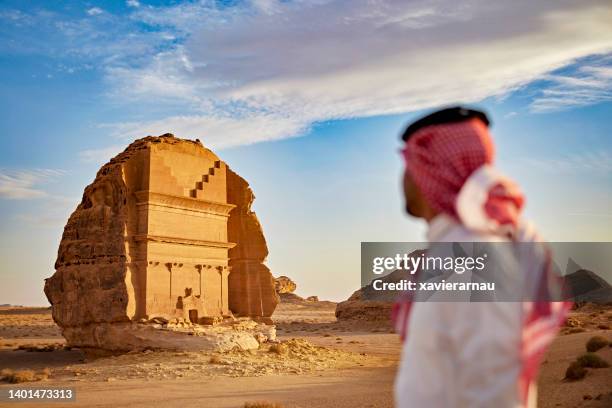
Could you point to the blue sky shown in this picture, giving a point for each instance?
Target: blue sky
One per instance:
(306, 101)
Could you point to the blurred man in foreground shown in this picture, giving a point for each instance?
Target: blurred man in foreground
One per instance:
(462, 354)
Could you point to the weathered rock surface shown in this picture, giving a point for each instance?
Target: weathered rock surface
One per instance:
(251, 285)
(122, 337)
(164, 230)
(291, 298)
(284, 284)
(367, 304)
(587, 286)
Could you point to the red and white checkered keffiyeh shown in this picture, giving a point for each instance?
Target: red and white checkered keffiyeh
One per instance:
(452, 166)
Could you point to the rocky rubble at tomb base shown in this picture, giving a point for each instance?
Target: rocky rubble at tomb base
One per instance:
(176, 334)
(163, 252)
(290, 357)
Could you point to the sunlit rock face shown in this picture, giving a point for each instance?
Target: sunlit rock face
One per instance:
(166, 229)
(284, 284)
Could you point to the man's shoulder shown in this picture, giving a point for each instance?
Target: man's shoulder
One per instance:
(459, 233)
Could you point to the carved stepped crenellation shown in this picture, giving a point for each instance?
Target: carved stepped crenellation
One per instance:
(204, 188)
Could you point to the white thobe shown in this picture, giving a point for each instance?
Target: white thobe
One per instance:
(460, 354)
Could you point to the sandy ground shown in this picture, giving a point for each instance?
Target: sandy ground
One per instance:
(324, 364)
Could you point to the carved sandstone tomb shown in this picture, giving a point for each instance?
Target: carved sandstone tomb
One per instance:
(165, 230)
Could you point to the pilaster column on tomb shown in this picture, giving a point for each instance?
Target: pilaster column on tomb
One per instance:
(199, 269)
(223, 272)
(169, 267)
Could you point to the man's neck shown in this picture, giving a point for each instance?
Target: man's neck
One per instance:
(437, 227)
(429, 214)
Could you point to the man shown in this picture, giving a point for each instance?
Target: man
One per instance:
(462, 354)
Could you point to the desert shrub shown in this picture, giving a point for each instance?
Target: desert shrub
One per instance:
(262, 404)
(575, 371)
(278, 348)
(20, 376)
(592, 360)
(15, 377)
(44, 374)
(595, 343)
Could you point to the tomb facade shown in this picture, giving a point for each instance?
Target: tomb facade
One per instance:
(166, 229)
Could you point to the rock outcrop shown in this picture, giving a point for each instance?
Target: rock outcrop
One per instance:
(165, 229)
(251, 285)
(291, 298)
(370, 305)
(284, 284)
(586, 286)
(367, 304)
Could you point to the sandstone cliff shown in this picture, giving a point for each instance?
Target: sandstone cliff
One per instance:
(251, 284)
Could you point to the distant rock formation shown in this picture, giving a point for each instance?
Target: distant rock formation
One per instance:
(370, 305)
(290, 298)
(367, 304)
(586, 286)
(285, 287)
(284, 284)
(165, 229)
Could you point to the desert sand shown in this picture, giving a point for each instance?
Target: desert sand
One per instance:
(320, 363)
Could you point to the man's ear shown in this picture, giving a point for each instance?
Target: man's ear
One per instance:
(416, 204)
(412, 195)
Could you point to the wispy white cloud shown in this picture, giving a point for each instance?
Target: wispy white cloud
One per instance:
(94, 11)
(268, 69)
(271, 69)
(218, 131)
(132, 3)
(588, 85)
(26, 184)
(99, 40)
